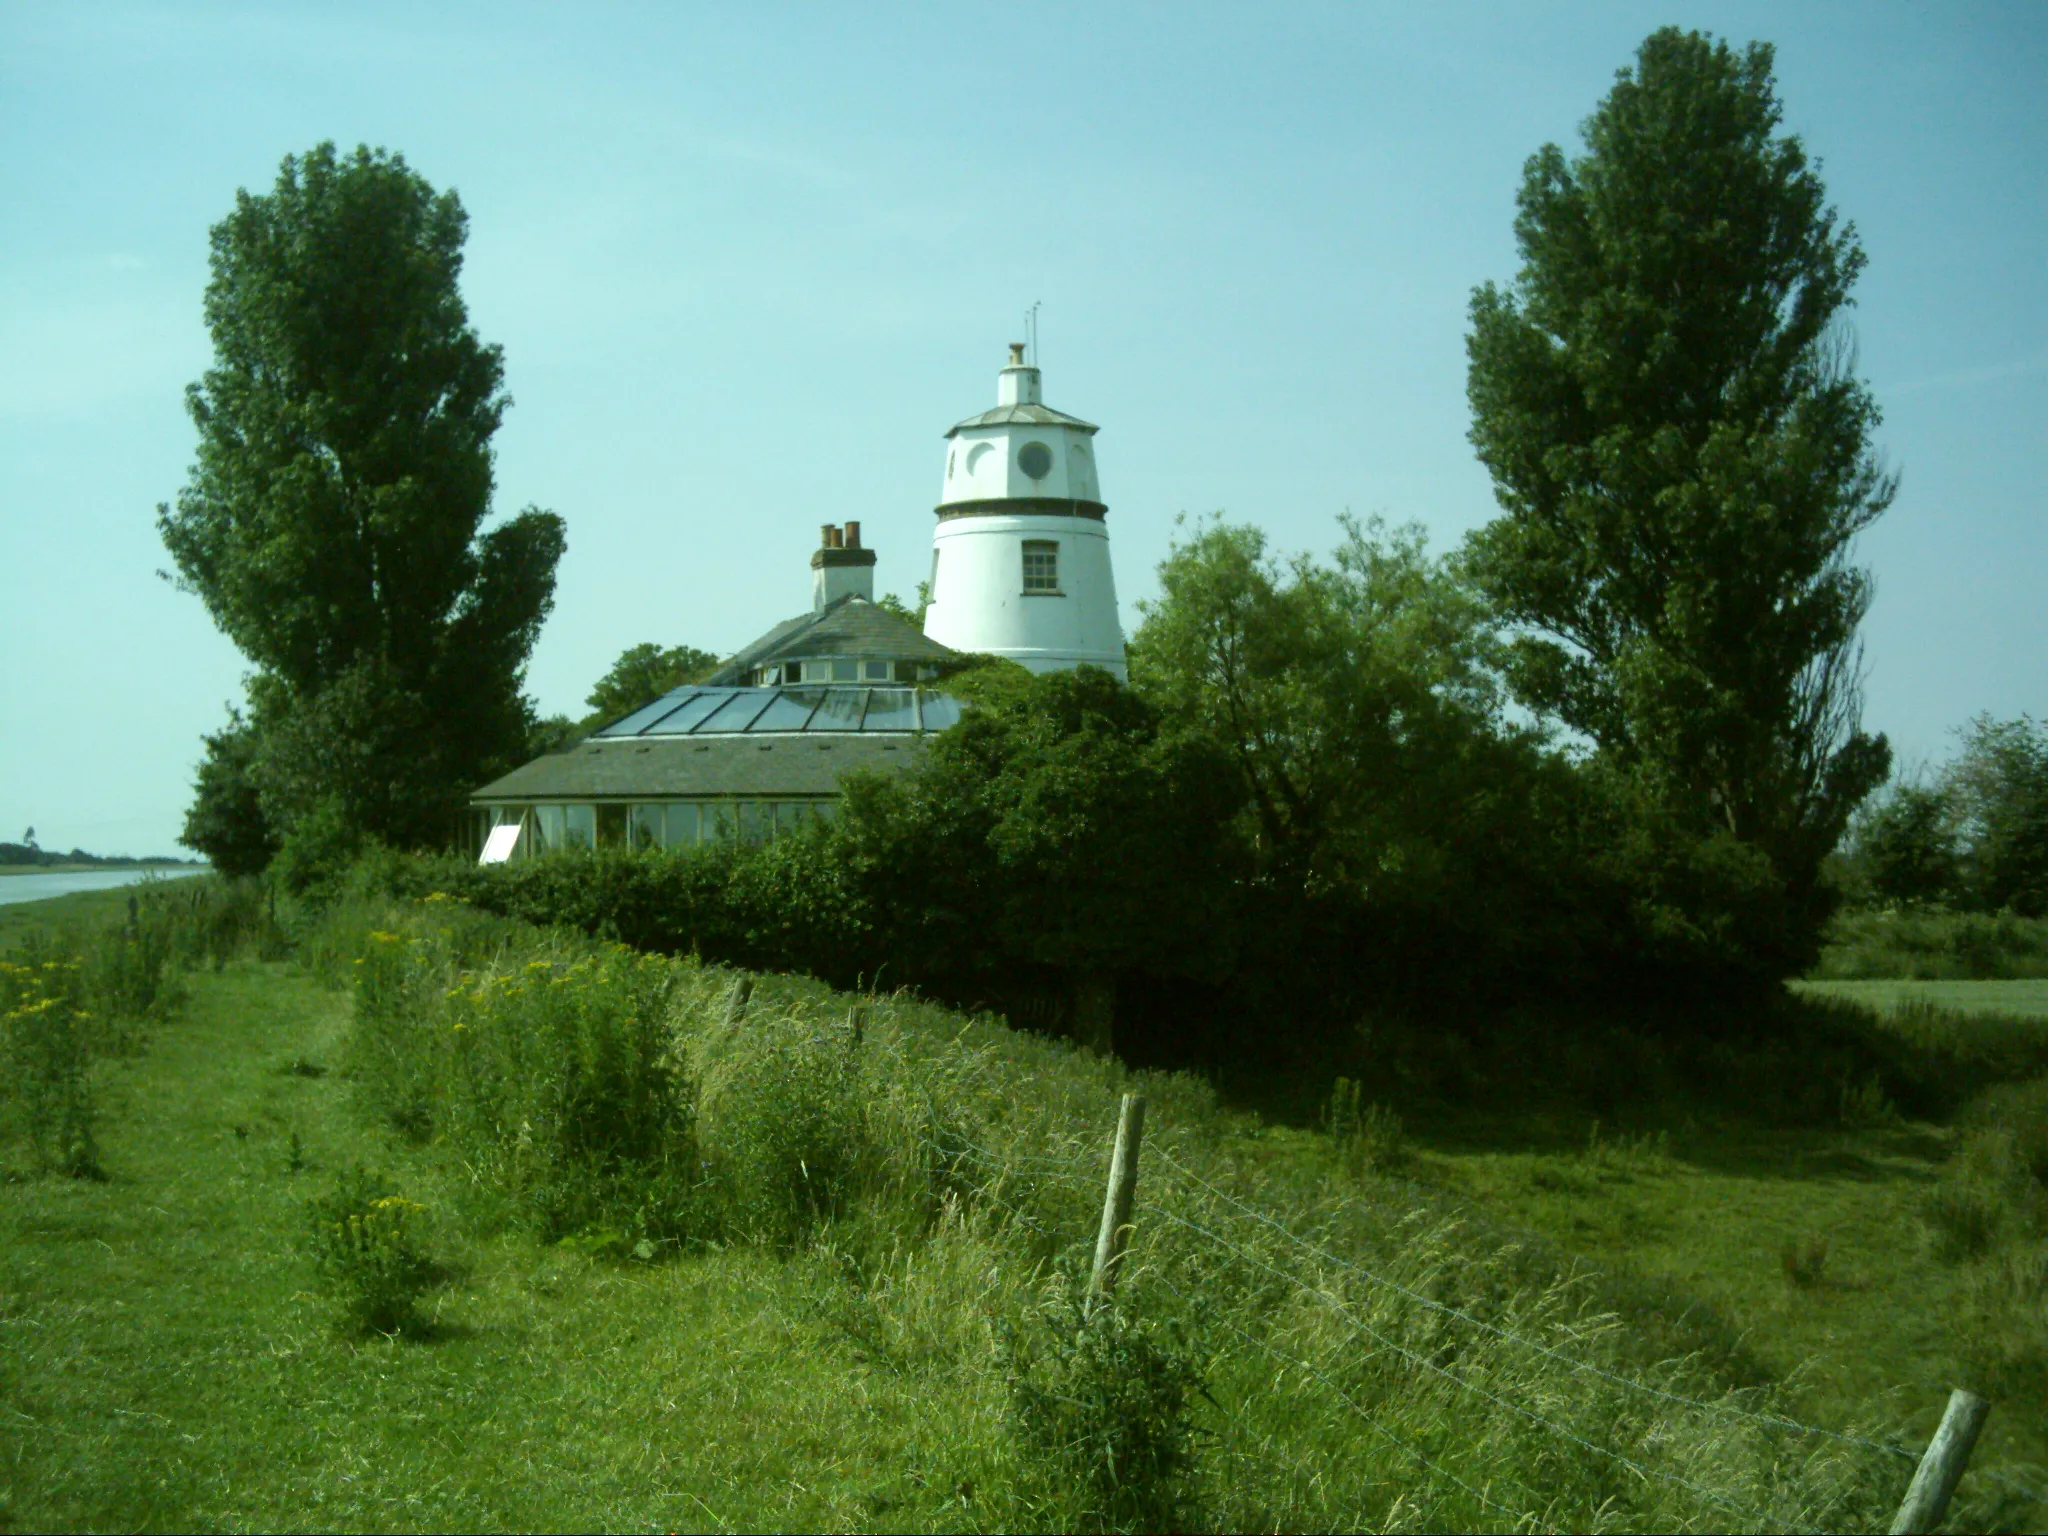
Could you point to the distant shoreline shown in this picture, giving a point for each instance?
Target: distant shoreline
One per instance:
(72, 867)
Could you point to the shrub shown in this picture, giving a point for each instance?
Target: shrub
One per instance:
(46, 1045)
(784, 1128)
(1100, 1400)
(561, 1083)
(365, 1242)
(1365, 1136)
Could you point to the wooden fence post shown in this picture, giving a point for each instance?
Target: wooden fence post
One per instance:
(1114, 1236)
(1947, 1454)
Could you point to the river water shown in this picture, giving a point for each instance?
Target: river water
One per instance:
(64, 881)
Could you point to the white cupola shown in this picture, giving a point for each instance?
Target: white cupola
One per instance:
(1020, 559)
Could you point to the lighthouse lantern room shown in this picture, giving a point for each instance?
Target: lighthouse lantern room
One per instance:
(1020, 558)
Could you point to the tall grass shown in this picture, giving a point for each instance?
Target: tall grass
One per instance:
(1307, 1348)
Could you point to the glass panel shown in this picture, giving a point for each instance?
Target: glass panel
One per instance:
(789, 711)
(794, 815)
(579, 826)
(757, 821)
(891, 709)
(648, 822)
(549, 828)
(646, 716)
(824, 810)
(845, 671)
(611, 826)
(840, 710)
(691, 712)
(736, 712)
(875, 671)
(941, 711)
(682, 826)
(792, 672)
(718, 821)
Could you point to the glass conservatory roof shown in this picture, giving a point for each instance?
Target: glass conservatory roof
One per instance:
(695, 711)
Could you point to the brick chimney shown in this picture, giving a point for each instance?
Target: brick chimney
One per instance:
(839, 566)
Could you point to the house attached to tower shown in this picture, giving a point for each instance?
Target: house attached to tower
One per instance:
(1020, 569)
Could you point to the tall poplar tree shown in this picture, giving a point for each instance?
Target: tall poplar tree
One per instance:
(334, 523)
(1666, 399)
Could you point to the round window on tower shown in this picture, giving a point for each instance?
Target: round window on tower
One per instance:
(1035, 459)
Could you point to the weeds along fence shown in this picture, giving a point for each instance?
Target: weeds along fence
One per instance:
(1682, 1449)
(1356, 1361)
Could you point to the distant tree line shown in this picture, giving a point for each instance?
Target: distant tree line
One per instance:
(28, 855)
(1972, 837)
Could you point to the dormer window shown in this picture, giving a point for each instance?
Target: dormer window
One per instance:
(1041, 566)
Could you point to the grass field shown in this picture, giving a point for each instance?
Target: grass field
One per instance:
(166, 1363)
(167, 1358)
(2028, 998)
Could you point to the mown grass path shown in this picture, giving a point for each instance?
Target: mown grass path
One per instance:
(165, 1364)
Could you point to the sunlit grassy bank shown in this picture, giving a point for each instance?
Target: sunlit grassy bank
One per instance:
(829, 1293)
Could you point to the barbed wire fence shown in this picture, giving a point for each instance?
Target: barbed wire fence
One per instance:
(1187, 1195)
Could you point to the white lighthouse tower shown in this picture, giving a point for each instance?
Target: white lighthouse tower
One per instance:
(1020, 559)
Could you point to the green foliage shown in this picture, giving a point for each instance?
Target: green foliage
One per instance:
(226, 821)
(46, 1049)
(1905, 846)
(366, 1243)
(784, 1131)
(1682, 452)
(1066, 827)
(2000, 786)
(550, 1071)
(1347, 696)
(642, 674)
(1930, 944)
(1365, 1136)
(334, 522)
(1101, 1401)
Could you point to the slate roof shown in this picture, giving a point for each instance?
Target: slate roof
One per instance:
(846, 626)
(665, 768)
(1023, 415)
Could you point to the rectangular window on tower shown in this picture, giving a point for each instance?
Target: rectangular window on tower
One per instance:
(1041, 566)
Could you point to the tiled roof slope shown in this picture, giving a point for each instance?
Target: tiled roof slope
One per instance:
(847, 626)
(742, 767)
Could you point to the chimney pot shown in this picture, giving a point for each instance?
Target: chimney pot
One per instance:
(824, 535)
(853, 535)
(1016, 354)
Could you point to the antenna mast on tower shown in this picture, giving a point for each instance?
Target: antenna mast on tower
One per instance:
(1031, 330)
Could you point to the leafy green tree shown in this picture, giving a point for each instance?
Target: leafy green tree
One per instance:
(334, 522)
(1058, 828)
(1343, 693)
(1904, 847)
(642, 674)
(1683, 455)
(226, 821)
(2000, 786)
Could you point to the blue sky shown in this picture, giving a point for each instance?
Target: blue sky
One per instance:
(748, 262)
